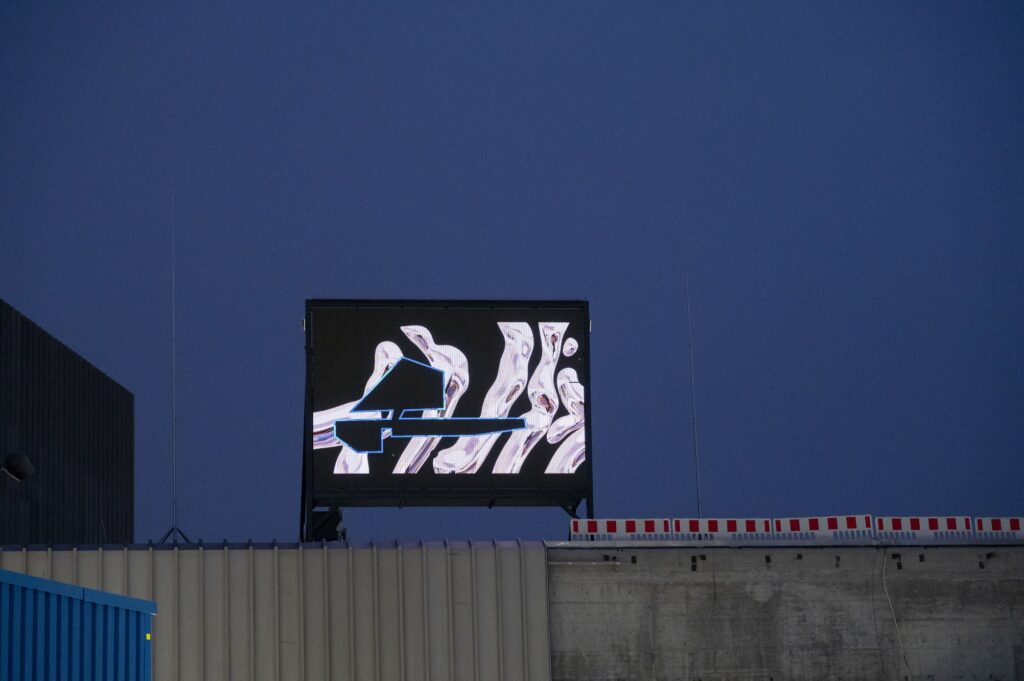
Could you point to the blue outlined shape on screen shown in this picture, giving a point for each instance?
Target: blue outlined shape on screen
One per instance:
(411, 386)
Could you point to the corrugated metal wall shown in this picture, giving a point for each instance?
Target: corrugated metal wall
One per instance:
(76, 425)
(51, 631)
(425, 612)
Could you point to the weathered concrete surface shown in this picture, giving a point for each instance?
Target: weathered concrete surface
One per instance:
(809, 613)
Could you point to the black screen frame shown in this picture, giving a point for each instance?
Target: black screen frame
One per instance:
(514, 492)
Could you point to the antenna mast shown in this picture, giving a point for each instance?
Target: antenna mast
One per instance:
(175, 531)
(689, 343)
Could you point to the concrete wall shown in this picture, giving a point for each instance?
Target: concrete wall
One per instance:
(794, 613)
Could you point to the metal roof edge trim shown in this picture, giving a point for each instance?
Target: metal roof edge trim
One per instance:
(284, 546)
(77, 592)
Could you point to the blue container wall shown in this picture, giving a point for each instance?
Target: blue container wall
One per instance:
(66, 632)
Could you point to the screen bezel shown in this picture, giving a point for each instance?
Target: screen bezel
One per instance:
(499, 490)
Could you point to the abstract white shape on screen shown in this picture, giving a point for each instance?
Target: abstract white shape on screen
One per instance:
(543, 398)
(385, 356)
(455, 366)
(570, 347)
(568, 457)
(469, 453)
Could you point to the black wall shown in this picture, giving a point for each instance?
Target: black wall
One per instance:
(77, 427)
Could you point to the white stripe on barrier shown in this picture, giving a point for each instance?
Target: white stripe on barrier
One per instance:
(996, 530)
(846, 529)
(911, 530)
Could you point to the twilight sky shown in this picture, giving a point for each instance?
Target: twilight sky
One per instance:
(850, 175)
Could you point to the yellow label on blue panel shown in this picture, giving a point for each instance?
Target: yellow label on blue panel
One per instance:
(149, 637)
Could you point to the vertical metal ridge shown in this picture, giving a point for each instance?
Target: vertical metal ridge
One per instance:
(376, 614)
(302, 613)
(201, 597)
(276, 584)
(546, 591)
(326, 586)
(252, 614)
(401, 616)
(351, 618)
(474, 633)
(523, 612)
(226, 608)
(426, 612)
(497, 605)
(450, 597)
(177, 613)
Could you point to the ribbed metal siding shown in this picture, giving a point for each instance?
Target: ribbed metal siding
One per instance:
(51, 631)
(77, 426)
(452, 611)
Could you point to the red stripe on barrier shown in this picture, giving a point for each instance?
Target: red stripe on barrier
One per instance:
(730, 525)
(649, 526)
(813, 525)
(694, 526)
(630, 526)
(833, 523)
(851, 522)
(1015, 524)
(612, 526)
(712, 526)
(751, 525)
(592, 526)
(794, 525)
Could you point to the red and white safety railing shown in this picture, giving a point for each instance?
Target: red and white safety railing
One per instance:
(911, 530)
(996, 530)
(859, 529)
(832, 529)
(702, 530)
(748, 530)
(648, 529)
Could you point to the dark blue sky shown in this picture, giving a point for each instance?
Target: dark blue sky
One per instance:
(849, 174)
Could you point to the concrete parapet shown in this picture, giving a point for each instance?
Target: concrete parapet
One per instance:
(769, 614)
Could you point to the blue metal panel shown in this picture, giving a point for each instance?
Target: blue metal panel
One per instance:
(55, 631)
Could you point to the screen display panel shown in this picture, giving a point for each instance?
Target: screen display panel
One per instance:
(447, 403)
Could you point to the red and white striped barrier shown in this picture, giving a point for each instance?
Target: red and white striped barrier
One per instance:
(996, 530)
(649, 529)
(695, 530)
(833, 529)
(818, 530)
(748, 530)
(911, 530)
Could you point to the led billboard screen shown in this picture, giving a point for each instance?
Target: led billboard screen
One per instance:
(447, 403)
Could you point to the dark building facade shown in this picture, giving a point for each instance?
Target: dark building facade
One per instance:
(77, 427)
